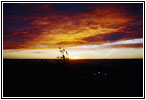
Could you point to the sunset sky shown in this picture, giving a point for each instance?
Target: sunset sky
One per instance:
(85, 30)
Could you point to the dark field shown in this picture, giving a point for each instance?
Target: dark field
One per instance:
(78, 78)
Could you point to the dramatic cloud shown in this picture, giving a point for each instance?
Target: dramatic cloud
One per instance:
(49, 25)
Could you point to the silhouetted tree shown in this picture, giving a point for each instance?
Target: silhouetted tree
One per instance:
(64, 56)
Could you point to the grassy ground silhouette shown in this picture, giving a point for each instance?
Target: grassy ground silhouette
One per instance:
(78, 78)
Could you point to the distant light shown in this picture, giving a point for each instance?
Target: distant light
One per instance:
(105, 74)
(94, 74)
(98, 72)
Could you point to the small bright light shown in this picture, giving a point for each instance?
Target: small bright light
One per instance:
(94, 74)
(105, 74)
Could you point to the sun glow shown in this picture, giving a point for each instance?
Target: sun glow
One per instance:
(75, 57)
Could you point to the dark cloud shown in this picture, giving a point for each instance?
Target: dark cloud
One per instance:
(112, 37)
(137, 45)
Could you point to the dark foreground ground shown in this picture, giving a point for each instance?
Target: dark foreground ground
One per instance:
(79, 78)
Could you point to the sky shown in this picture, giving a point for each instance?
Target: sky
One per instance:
(85, 30)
